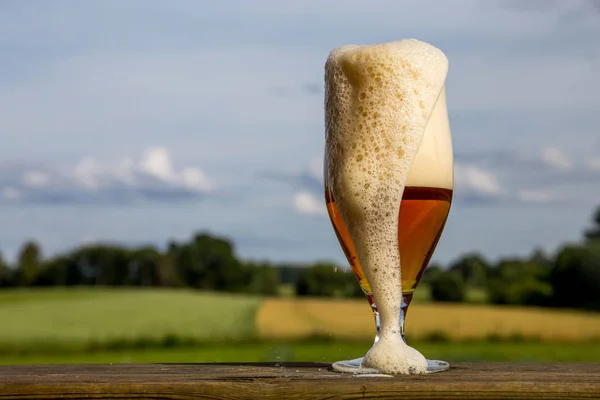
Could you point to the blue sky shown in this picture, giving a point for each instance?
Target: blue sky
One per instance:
(143, 121)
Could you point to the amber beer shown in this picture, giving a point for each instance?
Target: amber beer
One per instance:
(423, 214)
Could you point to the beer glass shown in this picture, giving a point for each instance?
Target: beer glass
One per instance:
(425, 186)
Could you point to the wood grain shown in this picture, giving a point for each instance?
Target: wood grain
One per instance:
(296, 381)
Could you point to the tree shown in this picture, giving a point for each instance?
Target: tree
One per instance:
(519, 282)
(28, 264)
(208, 262)
(325, 279)
(430, 273)
(447, 286)
(289, 274)
(539, 257)
(594, 232)
(103, 265)
(167, 272)
(262, 279)
(473, 269)
(61, 270)
(575, 277)
(143, 267)
(4, 273)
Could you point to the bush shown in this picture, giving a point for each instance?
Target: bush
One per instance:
(447, 286)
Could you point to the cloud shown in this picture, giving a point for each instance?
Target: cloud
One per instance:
(307, 184)
(153, 177)
(471, 179)
(554, 158)
(546, 176)
(307, 203)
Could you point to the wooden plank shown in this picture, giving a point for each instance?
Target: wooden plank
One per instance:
(297, 381)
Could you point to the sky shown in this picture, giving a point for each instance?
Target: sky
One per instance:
(140, 122)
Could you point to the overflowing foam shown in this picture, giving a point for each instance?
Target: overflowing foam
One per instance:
(379, 100)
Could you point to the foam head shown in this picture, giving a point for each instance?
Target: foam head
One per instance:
(379, 100)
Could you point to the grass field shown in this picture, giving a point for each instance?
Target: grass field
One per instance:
(78, 317)
(139, 325)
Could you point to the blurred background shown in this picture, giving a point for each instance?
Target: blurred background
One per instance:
(159, 156)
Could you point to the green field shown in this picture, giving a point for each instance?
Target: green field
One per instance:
(152, 325)
(80, 318)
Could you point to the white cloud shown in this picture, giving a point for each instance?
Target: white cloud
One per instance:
(306, 203)
(86, 171)
(153, 177)
(157, 162)
(194, 179)
(476, 180)
(554, 158)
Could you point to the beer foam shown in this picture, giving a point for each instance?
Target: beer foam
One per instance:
(379, 100)
(393, 356)
(433, 165)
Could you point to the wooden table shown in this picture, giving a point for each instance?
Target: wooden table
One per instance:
(296, 381)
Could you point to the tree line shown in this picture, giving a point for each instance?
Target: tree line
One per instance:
(205, 262)
(571, 278)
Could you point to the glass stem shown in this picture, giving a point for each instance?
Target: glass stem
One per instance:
(406, 299)
(377, 321)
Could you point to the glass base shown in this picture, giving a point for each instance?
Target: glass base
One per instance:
(355, 367)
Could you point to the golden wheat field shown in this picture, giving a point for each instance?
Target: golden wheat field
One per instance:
(352, 319)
